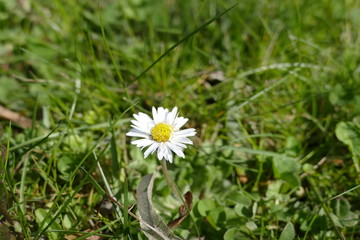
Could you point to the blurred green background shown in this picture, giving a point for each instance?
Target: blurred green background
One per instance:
(272, 87)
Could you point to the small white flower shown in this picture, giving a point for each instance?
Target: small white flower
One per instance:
(161, 133)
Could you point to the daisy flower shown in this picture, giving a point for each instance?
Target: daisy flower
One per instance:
(161, 133)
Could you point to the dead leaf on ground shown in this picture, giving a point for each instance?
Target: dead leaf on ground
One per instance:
(183, 211)
(71, 237)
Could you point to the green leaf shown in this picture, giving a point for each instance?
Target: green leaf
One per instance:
(66, 164)
(251, 225)
(288, 233)
(238, 197)
(40, 215)
(341, 208)
(293, 146)
(216, 217)
(287, 170)
(66, 222)
(234, 233)
(341, 95)
(350, 220)
(349, 134)
(205, 205)
(243, 211)
(335, 220)
(152, 225)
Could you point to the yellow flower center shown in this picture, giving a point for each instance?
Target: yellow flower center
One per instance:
(161, 132)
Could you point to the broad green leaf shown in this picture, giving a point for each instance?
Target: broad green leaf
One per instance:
(251, 225)
(66, 222)
(340, 95)
(66, 164)
(216, 217)
(243, 211)
(341, 208)
(230, 234)
(350, 220)
(293, 146)
(40, 215)
(205, 205)
(288, 233)
(349, 134)
(287, 170)
(234, 233)
(238, 197)
(280, 212)
(153, 226)
(335, 220)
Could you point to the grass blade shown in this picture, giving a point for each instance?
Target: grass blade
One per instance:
(185, 39)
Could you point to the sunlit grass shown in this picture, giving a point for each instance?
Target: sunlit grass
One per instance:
(266, 84)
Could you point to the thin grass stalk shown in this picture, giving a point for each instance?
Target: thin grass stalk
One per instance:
(107, 186)
(177, 192)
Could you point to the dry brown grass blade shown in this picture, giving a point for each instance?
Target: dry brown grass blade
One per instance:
(15, 117)
(183, 211)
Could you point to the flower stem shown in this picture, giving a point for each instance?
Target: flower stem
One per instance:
(174, 188)
(169, 181)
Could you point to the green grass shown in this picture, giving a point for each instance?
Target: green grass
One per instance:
(277, 150)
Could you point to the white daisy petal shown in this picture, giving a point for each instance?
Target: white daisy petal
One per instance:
(178, 143)
(141, 129)
(186, 133)
(136, 133)
(179, 122)
(151, 149)
(170, 157)
(155, 148)
(144, 116)
(171, 116)
(137, 117)
(159, 155)
(161, 114)
(161, 133)
(141, 117)
(142, 142)
(154, 113)
(143, 122)
(168, 154)
(161, 151)
(176, 149)
(182, 140)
